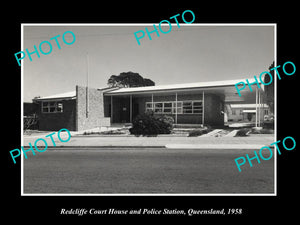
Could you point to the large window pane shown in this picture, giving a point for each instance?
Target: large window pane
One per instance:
(168, 110)
(158, 105)
(59, 107)
(148, 105)
(187, 107)
(52, 107)
(168, 104)
(45, 110)
(158, 110)
(197, 104)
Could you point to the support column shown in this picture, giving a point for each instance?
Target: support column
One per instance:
(152, 102)
(87, 102)
(256, 98)
(176, 108)
(203, 108)
(130, 108)
(259, 108)
(87, 87)
(262, 107)
(111, 109)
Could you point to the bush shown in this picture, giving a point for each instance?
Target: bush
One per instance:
(149, 124)
(268, 125)
(262, 131)
(242, 132)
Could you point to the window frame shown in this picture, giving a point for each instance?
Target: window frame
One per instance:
(180, 107)
(52, 104)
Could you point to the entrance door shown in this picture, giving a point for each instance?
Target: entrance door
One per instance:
(125, 110)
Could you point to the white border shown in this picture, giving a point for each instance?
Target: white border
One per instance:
(151, 24)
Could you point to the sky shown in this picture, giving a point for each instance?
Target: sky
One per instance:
(191, 53)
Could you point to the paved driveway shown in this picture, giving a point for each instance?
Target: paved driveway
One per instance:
(145, 171)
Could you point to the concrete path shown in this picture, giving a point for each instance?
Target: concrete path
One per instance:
(253, 141)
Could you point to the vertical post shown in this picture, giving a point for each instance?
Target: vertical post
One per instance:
(87, 84)
(111, 109)
(203, 108)
(176, 108)
(130, 108)
(262, 107)
(256, 107)
(259, 108)
(152, 102)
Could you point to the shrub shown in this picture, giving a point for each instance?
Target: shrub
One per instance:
(242, 132)
(268, 125)
(199, 132)
(150, 124)
(262, 131)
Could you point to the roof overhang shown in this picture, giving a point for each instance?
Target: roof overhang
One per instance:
(58, 97)
(225, 89)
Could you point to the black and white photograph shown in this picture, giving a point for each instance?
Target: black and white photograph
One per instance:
(163, 116)
(139, 112)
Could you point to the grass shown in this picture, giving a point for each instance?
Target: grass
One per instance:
(109, 132)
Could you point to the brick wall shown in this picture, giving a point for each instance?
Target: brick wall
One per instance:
(57, 121)
(95, 116)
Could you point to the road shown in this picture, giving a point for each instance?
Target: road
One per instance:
(145, 171)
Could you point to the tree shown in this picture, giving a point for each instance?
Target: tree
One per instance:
(148, 82)
(269, 89)
(113, 81)
(129, 79)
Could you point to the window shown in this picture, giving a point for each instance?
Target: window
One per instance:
(179, 107)
(197, 106)
(183, 107)
(158, 107)
(52, 107)
(149, 107)
(167, 107)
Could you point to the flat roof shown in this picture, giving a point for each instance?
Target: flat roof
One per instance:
(224, 88)
(178, 86)
(70, 94)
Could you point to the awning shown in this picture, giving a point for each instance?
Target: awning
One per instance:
(226, 89)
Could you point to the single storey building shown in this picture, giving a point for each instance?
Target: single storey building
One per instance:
(191, 103)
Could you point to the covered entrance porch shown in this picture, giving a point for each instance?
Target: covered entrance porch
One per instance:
(195, 103)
